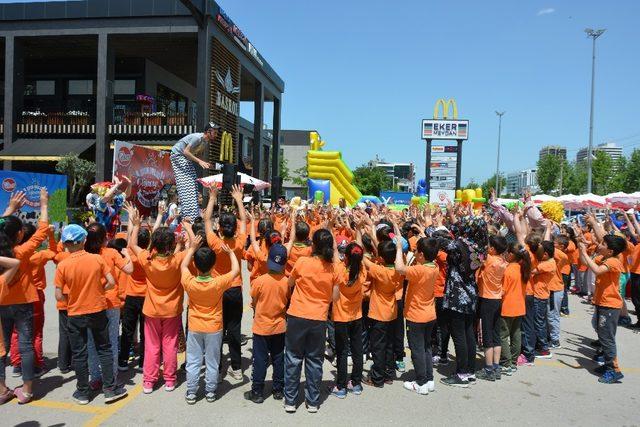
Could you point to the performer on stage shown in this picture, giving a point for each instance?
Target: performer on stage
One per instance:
(184, 154)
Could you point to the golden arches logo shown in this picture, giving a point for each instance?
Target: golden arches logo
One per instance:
(226, 147)
(445, 108)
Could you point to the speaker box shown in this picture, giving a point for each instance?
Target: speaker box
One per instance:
(229, 176)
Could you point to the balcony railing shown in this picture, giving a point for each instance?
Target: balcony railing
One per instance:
(152, 124)
(55, 123)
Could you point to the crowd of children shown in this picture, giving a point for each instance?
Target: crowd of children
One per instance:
(365, 277)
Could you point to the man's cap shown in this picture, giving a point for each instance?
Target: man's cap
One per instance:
(277, 258)
(73, 233)
(211, 125)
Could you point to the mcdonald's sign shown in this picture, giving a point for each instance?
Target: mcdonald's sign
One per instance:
(226, 147)
(445, 127)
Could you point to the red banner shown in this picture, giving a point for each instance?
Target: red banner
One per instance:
(148, 169)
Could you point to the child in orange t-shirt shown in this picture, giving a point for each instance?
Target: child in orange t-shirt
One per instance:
(298, 245)
(608, 301)
(419, 310)
(162, 305)
(558, 287)
(205, 314)
(542, 275)
(269, 298)
(81, 281)
(9, 267)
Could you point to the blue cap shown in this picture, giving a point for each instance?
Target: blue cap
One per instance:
(73, 233)
(405, 245)
(277, 258)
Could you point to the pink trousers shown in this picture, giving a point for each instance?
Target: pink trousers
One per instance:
(161, 344)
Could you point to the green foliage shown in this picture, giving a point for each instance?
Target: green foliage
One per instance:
(371, 180)
(58, 206)
(491, 183)
(574, 178)
(472, 185)
(285, 173)
(548, 173)
(631, 177)
(300, 176)
(601, 169)
(80, 172)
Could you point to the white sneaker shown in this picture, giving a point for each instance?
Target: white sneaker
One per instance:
(169, 387)
(290, 409)
(312, 409)
(431, 386)
(413, 386)
(235, 374)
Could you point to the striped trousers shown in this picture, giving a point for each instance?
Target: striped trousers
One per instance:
(185, 173)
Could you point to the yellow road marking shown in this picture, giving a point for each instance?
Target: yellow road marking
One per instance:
(52, 404)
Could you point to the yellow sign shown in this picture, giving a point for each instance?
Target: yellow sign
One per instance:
(226, 147)
(445, 108)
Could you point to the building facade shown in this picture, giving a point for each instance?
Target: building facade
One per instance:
(294, 145)
(402, 174)
(611, 148)
(518, 182)
(80, 74)
(553, 150)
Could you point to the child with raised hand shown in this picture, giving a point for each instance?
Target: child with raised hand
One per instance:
(16, 302)
(270, 297)
(557, 287)
(298, 245)
(542, 275)
(419, 309)
(163, 304)
(205, 313)
(81, 281)
(9, 267)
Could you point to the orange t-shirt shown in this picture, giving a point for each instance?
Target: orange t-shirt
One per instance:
(513, 292)
(546, 274)
(349, 306)
(298, 250)
(116, 263)
(489, 277)
(413, 243)
(573, 253)
(61, 256)
(21, 289)
(223, 260)
(534, 264)
(81, 278)
(270, 295)
(205, 301)
(419, 305)
(626, 257)
(313, 291)
(590, 250)
(607, 293)
(441, 261)
(562, 263)
(164, 291)
(384, 283)
(136, 281)
(38, 260)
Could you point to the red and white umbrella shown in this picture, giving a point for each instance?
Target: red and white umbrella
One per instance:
(541, 198)
(592, 200)
(622, 200)
(245, 179)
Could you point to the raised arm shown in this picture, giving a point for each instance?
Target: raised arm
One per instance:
(236, 193)
(134, 219)
(208, 212)
(194, 244)
(44, 205)
(10, 266)
(17, 200)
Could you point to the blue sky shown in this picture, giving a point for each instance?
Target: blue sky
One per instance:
(364, 73)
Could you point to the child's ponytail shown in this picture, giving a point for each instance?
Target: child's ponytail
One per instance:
(353, 256)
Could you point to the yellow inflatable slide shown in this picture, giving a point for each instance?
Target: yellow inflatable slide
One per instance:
(329, 165)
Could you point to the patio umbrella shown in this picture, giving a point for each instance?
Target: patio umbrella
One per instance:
(592, 200)
(541, 198)
(622, 200)
(245, 179)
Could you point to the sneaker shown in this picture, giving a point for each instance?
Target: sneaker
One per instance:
(600, 370)
(413, 386)
(522, 360)
(80, 398)
(497, 373)
(444, 361)
(190, 398)
(17, 372)
(123, 368)
(543, 354)
(400, 366)
(431, 386)
(253, 396)
(6, 396)
(599, 359)
(277, 395)
(64, 371)
(236, 374)
(507, 371)
(340, 393)
(455, 381)
(471, 378)
(311, 409)
(210, 397)
(22, 397)
(611, 377)
(289, 409)
(368, 381)
(564, 314)
(435, 359)
(114, 394)
(147, 387)
(555, 344)
(355, 389)
(243, 340)
(388, 381)
(169, 387)
(95, 385)
(486, 374)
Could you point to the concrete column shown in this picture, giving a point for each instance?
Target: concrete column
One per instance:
(258, 115)
(13, 89)
(104, 107)
(275, 154)
(203, 77)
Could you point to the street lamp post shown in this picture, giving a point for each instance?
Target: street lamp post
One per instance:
(500, 114)
(594, 34)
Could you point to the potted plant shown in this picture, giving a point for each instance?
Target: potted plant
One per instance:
(33, 117)
(153, 119)
(78, 117)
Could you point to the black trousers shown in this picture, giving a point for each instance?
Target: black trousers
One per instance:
(398, 332)
(440, 334)
(265, 348)
(635, 293)
(64, 344)
(366, 324)
(131, 316)
(231, 319)
(419, 337)
(464, 341)
(348, 336)
(97, 325)
(381, 346)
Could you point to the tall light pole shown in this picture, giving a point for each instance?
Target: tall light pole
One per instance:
(500, 114)
(594, 34)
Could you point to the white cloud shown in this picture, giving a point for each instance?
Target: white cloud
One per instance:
(546, 11)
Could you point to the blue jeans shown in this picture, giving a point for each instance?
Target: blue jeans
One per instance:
(304, 341)
(20, 316)
(201, 344)
(528, 329)
(540, 307)
(564, 307)
(553, 315)
(263, 347)
(113, 316)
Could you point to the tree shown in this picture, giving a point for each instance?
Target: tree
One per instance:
(80, 172)
(601, 170)
(472, 185)
(632, 173)
(548, 172)
(300, 176)
(371, 180)
(285, 173)
(491, 183)
(616, 183)
(574, 178)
